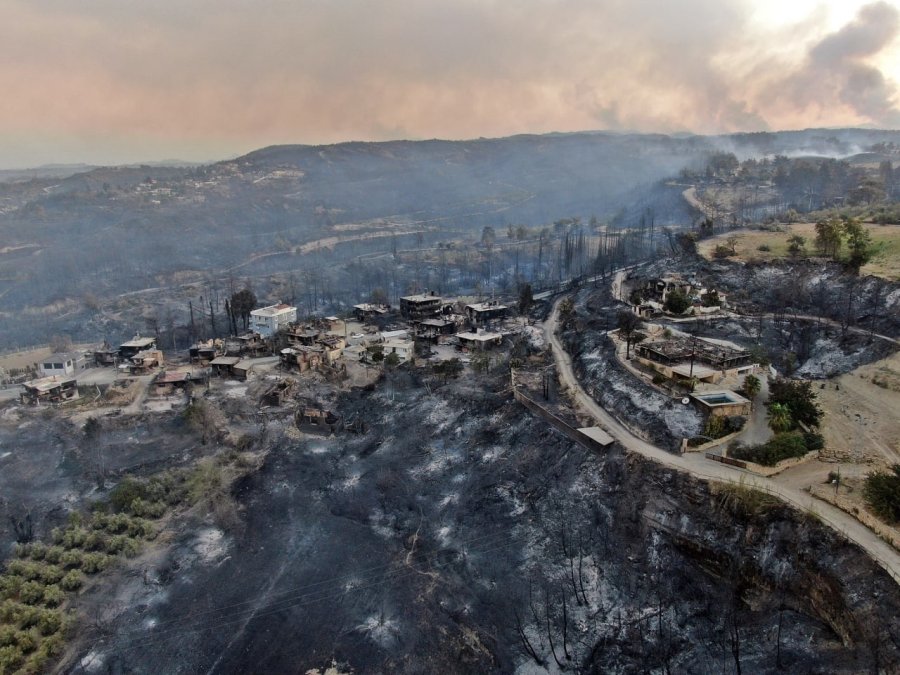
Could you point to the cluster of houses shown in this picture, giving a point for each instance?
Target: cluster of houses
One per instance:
(300, 346)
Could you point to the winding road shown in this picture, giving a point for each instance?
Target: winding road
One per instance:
(697, 465)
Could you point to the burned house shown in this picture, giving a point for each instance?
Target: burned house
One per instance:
(479, 340)
(106, 355)
(422, 306)
(437, 330)
(170, 382)
(50, 390)
(137, 344)
(145, 361)
(684, 358)
(223, 366)
(278, 393)
(305, 335)
(365, 311)
(301, 357)
(483, 313)
(316, 419)
(249, 343)
(332, 347)
(204, 352)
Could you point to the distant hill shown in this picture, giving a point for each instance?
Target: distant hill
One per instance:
(100, 231)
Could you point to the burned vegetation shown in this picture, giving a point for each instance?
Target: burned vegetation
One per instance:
(460, 533)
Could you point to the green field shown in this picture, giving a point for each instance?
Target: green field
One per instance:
(886, 239)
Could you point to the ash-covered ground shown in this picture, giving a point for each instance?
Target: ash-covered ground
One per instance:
(459, 534)
(49, 466)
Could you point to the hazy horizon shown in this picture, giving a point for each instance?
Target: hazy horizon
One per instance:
(108, 83)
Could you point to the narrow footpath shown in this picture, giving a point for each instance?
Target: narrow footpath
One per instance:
(697, 465)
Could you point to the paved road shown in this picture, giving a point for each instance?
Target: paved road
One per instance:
(697, 465)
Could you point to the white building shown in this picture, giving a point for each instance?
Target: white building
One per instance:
(57, 365)
(268, 320)
(404, 349)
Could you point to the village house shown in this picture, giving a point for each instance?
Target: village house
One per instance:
(62, 364)
(145, 361)
(302, 357)
(223, 366)
(479, 340)
(366, 311)
(204, 352)
(269, 320)
(684, 358)
(421, 306)
(297, 334)
(168, 382)
(249, 343)
(483, 313)
(49, 390)
(437, 330)
(404, 349)
(332, 347)
(105, 355)
(135, 345)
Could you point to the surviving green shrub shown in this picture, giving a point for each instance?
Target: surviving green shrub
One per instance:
(10, 584)
(50, 574)
(32, 593)
(54, 596)
(94, 562)
(94, 541)
(50, 622)
(72, 559)
(24, 568)
(813, 440)
(882, 494)
(779, 447)
(54, 554)
(129, 489)
(131, 547)
(72, 581)
(11, 658)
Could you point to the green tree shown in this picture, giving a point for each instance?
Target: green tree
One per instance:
(677, 302)
(829, 236)
(391, 361)
(798, 396)
(752, 385)
(242, 303)
(859, 243)
(796, 245)
(488, 236)
(882, 494)
(780, 419)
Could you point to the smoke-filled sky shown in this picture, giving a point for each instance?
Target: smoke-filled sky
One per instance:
(113, 81)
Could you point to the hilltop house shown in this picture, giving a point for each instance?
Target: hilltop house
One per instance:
(682, 357)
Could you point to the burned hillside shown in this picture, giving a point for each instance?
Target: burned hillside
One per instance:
(463, 535)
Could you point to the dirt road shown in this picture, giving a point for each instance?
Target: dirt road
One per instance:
(697, 465)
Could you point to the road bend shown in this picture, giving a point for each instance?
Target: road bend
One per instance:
(697, 465)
